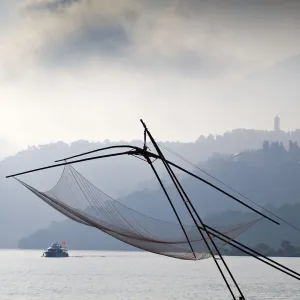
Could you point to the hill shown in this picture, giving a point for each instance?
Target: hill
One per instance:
(286, 249)
(86, 238)
(269, 176)
(118, 177)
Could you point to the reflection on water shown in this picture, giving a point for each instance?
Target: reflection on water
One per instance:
(25, 275)
(85, 256)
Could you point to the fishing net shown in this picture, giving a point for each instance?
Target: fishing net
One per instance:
(78, 199)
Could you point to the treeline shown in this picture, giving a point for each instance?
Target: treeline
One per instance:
(268, 176)
(264, 236)
(286, 250)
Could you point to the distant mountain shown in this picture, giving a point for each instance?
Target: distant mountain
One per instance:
(132, 180)
(19, 206)
(86, 238)
(286, 249)
(268, 176)
(76, 235)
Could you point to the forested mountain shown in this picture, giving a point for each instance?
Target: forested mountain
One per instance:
(133, 181)
(269, 176)
(86, 238)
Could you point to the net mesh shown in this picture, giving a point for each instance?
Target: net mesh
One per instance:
(78, 199)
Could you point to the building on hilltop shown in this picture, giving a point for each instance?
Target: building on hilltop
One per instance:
(276, 123)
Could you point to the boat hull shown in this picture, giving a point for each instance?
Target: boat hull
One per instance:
(55, 254)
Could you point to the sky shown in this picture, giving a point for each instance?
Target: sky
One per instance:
(90, 69)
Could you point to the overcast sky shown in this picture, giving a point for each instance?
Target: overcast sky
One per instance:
(92, 68)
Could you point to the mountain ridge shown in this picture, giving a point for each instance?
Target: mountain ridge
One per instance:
(117, 177)
(262, 170)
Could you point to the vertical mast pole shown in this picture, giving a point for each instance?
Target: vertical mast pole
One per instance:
(181, 192)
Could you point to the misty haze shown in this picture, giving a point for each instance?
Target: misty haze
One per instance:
(211, 177)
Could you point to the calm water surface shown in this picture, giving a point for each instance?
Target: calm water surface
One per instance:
(136, 276)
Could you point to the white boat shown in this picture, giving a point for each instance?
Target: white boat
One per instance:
(56, 250)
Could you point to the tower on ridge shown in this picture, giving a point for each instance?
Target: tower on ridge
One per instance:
(276, 123)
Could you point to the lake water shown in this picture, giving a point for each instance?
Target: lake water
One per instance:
(88, 275)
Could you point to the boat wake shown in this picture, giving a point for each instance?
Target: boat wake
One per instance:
(85, 256)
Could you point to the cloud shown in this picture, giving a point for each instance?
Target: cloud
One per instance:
(196, 37)
(42, 5)
(130, 58)
(6, 148)
(206, 38)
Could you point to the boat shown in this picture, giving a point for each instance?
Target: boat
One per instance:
(56, 250)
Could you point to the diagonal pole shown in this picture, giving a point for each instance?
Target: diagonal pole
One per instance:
(221, 236)
(209, 236)
(172, 205)
(180, 190)
(71, 162)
